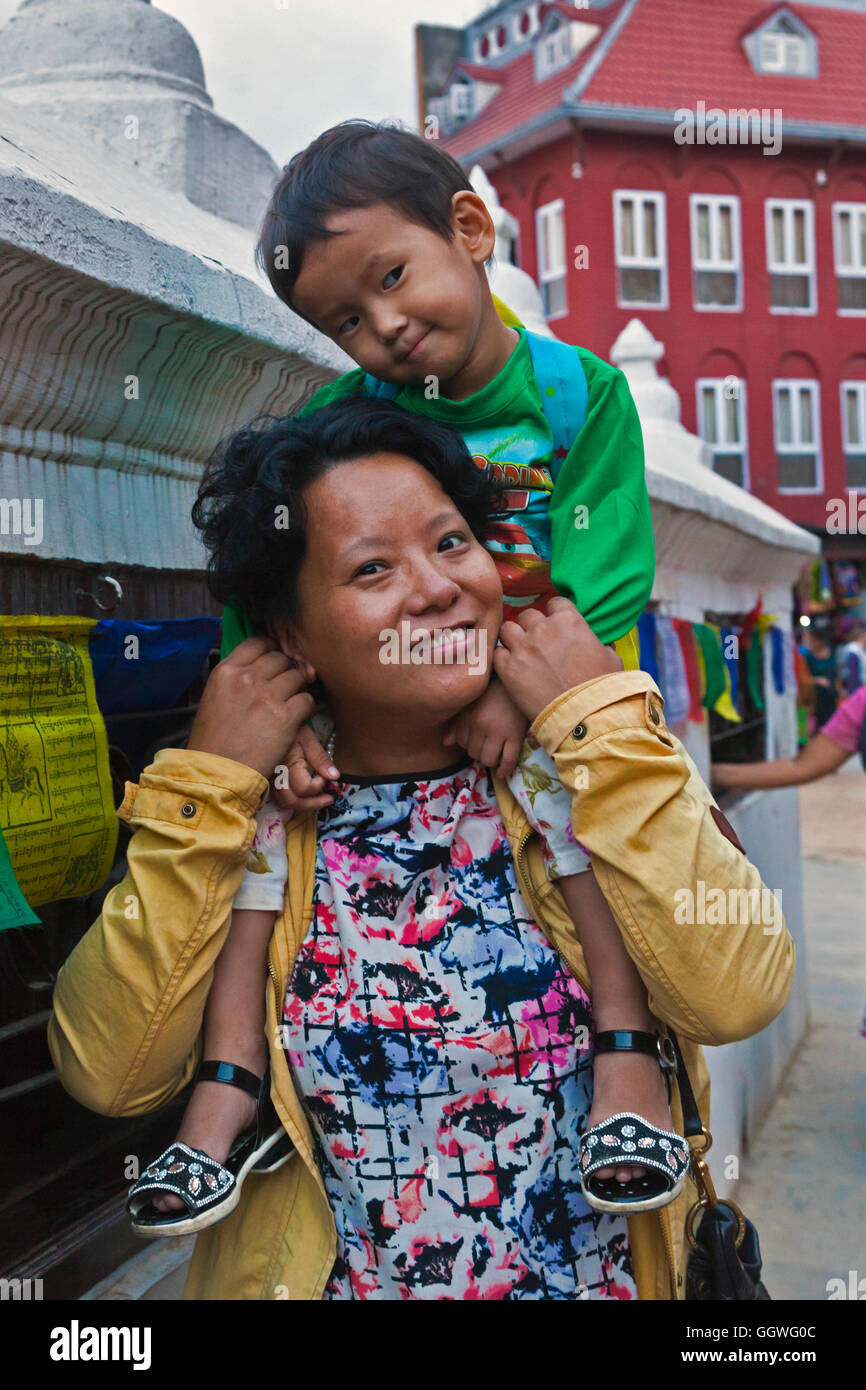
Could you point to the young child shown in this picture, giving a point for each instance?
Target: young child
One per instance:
(375, 237)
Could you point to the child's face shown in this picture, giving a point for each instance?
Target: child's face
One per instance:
(400, 300)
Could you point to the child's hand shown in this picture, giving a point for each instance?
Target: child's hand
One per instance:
(543, 656)
(306, 789)
(491, 730)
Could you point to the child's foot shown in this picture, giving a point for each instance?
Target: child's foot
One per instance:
(215, 1116)
(624, 1081)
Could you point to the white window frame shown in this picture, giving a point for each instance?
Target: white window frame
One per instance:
(785, 45)
(548, 274)
(858, 270)
(558, 55)
(715, 262)
(789, 267)
(798, 446)
(639, 261)
(465, 106)
(722, 446)
(847, 447)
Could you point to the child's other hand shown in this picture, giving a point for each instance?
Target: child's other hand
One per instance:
(491, 730)
(310, 769)
(543, 656)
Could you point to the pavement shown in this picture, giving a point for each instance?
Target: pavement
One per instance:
(803, 1180)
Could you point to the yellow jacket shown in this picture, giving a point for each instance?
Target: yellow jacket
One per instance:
(126, 1031)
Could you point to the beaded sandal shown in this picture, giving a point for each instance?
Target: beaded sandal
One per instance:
(210, 1190)
(629, 1138)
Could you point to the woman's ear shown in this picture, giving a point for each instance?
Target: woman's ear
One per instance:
(284, 633)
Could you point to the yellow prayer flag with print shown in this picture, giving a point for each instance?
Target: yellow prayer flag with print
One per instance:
(56, 804)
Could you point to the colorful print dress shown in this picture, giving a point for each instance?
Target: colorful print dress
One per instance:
(443, 1053)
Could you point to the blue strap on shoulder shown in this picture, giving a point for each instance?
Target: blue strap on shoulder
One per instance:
(562, 382)
(381, 390)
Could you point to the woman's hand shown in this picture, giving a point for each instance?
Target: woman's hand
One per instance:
(253, 706)
(543, 656)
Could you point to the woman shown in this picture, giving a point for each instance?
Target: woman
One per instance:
(480, 1158)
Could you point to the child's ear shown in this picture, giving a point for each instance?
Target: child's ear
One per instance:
(473, 223)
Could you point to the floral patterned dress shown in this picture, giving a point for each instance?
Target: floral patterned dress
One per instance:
(443, 1053)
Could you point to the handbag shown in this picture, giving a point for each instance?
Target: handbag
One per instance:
(725, 1263)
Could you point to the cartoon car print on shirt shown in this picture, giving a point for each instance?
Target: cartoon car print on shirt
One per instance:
(525, 576)
(519, 546)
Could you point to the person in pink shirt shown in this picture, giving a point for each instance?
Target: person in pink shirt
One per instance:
(833, 745)
(843, 734)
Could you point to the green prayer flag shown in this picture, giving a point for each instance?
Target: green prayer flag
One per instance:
(714, 664)
(754, 669)
(15, 911)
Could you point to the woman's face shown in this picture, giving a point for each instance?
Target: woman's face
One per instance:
(391, 570)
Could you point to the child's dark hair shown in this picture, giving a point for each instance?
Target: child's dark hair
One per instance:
(250, 508)
(353, 165)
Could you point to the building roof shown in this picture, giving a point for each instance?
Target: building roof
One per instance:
(477, 70)
(702, 59)
(566, 10)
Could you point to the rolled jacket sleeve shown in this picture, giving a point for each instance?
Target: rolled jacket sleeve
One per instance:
(129, 1001)
(658, 842)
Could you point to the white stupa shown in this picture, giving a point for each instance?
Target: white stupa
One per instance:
(513, 285)
(124, 75)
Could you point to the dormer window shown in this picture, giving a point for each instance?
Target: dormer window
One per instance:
(783, 51)
(465, 95)
(560, 39)
(460, 98)
(783, 46)
(554, 49)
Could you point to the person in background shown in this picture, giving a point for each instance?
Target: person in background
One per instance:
(822, 665)
(843, 734)
(852, 658)
(805, 696)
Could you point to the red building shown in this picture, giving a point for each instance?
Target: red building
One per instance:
(699, 165)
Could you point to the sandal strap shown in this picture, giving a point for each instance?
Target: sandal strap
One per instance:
(636, 1040)
(232, 1075)
(190, 1174)
(629, 1138)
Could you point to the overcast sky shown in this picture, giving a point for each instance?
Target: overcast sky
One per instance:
(284, 74)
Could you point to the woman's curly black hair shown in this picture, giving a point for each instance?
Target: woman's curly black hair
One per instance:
(250, 505)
